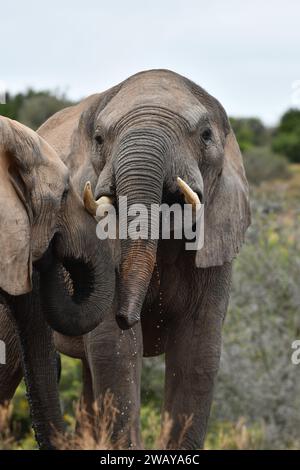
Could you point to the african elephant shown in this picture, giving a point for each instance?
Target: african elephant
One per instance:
(46, 235)
(134, 141)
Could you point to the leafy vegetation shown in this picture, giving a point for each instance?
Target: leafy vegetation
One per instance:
(250, 132)
(257, 379)
(261, 164)
(33, 108)
(287, 136)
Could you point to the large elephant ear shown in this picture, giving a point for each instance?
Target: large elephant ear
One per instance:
(15, 253)
(227, 214)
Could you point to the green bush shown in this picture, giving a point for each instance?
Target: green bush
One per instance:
(33, 108)
(289, 145)
(249, 132)
(153, 381)
(287, 136)
(70, 386)
(262, 164)
(257, 379)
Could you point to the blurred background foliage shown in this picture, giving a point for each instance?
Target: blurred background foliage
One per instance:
(287, 136)
(32, 108)
(257, 398)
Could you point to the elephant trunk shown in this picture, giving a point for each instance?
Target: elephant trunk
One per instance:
(139, 177)
(78, 283)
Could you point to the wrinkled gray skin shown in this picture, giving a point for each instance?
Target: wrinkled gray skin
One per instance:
(134, 140)
(45, 226)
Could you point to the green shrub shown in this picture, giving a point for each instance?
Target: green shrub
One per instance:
(153, 381)
(262, 164)
(32, 108)
(287, 136)
(257, 379)
(289, 145)
(249, 132)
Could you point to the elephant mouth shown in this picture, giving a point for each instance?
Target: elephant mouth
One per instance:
(76, 275)
(172, 196)
(78, 278)
(177, 222)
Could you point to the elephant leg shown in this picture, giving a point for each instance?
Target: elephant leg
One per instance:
(192, 361)
(86, 404)
(11, 372)
(39, 363)
(115, 360)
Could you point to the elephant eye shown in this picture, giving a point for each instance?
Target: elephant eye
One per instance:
(99, 139)
(206, 135)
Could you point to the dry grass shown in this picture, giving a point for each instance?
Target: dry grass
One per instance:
(6, 438)
(164, 441)
(238, 436)
(92, 432)
(97, 432)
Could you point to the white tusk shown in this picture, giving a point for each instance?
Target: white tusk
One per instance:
(104, 200)
(88, 199)
(89, 202)
(190, 196)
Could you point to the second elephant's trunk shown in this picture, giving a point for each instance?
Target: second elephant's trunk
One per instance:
(78, 284)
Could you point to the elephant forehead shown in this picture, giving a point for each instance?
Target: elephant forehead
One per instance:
(154, 91)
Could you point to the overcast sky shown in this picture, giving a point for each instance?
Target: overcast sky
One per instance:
(247, 54)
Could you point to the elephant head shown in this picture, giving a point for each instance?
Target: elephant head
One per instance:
(140, 136)
(44, 226)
